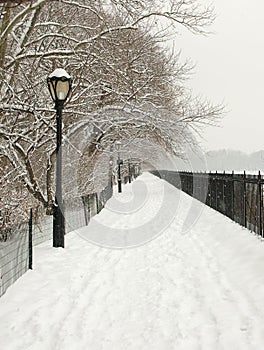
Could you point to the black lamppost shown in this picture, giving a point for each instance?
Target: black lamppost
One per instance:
(59, 84)
(129, 171)
(119, 163)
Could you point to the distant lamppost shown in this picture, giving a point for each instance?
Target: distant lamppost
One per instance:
(129, 171)
(119, 163)
(111, 163)
(136, 170)
(59, 84)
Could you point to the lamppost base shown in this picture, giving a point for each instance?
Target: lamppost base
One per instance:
(119, 187)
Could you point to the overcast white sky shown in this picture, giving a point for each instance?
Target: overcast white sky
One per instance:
(230, 69)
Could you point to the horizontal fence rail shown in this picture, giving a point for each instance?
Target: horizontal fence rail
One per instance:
(238, 196)
(16, 253)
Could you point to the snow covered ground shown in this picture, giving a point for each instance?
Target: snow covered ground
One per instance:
(196, 282)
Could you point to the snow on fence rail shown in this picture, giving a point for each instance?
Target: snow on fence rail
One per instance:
(16, 250)
(238, 196)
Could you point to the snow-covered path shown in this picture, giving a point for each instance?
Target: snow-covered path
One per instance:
(192, 287)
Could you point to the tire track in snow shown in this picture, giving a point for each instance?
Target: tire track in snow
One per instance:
(83, 294)
(233, 314)
(191, 310)
(171, 293)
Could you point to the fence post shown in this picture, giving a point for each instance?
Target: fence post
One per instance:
(89, 210)
(97, 203)
(191, 183)
(233, 196)
(216, 191)
(84, 200)
(224, 194)
(260, 205)
(210, 189)
(30, 226)
(245, 199)
(199, 196)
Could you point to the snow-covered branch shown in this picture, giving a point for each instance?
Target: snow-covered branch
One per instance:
(127, 86)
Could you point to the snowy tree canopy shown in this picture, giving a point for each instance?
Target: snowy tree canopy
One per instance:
(126, 83)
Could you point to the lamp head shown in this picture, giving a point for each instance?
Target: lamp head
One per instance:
(59, 84)
(118, 145)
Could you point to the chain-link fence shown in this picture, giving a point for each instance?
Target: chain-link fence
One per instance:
(14, 257)
(16, 247)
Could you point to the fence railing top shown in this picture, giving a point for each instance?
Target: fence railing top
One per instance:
(257, 178)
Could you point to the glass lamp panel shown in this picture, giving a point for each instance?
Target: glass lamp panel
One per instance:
(62, 89)
(52, 89)
(118, 145)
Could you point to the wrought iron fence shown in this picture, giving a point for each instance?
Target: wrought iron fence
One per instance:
(238, 196)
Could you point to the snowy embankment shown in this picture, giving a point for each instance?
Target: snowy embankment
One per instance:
(194, 282)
